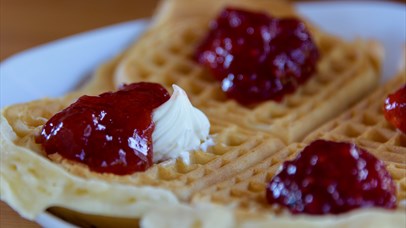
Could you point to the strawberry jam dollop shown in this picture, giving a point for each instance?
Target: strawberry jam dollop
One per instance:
(332, 177)
(257, 57)
(395, 109)
(110, 133)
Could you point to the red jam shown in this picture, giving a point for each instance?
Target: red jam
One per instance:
(257, 57)
(110, 133)
(395, 109)
(330, 177)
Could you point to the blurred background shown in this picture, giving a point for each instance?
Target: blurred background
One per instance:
(28, 23)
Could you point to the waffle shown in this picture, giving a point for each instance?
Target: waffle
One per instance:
(364, 125)
(243, 136)
(71, 185)
(164, 53)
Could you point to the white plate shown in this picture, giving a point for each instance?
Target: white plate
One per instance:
(58, 67)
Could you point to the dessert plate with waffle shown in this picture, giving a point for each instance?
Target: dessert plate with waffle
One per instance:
(210, 152)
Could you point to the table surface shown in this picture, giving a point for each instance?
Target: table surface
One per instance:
(26, 23)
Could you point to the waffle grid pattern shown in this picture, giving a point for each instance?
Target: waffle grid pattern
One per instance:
(364, 125)
(341, 66)
(232, 144)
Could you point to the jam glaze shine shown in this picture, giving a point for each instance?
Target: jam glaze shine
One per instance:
(110, 133)
(257, 57)
(395, 109)
(331, 178)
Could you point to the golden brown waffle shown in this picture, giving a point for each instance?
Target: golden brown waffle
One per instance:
(346, 72)
(366, 126)
(243, 136)
(172, 180)
(363, 124)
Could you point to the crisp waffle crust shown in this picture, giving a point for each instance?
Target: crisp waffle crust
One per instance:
(364, 125)
(20, 124)
(250, 142)
(346, 71)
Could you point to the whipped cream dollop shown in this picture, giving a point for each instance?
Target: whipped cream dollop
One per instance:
(179, 128)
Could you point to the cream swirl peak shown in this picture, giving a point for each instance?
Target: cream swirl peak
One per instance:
(179, 128)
